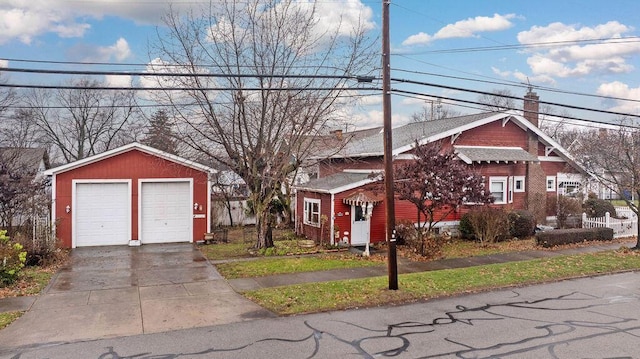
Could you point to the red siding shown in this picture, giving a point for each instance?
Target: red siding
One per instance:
(133, 165)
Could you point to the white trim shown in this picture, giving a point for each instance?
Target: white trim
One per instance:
(551, 159)
(304, 211)
(332, 219)
(74, 198)
(209, 185)
(126, 148)
(163, 180)
(510, 190)
(555, 184)
(54, 201)
(523, 188)
(503, 180)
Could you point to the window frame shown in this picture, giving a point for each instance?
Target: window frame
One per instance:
(553, 180)
(517, 179)
(505, 193)
(308, 212)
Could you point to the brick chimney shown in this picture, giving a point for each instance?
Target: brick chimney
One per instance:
(338, 134)
(531, 107)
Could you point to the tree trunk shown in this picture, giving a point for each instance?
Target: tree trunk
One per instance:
(264, 230)
(227, 203)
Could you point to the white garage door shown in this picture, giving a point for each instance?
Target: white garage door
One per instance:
(166, 212)
(102, 214)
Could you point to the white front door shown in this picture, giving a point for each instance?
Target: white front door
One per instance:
(360, 225)
(166, 212)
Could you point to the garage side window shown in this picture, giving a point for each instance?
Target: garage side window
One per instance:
(312, 212)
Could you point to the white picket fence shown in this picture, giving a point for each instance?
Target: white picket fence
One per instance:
(621, 227)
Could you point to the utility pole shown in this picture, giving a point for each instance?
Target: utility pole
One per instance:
(392, 260)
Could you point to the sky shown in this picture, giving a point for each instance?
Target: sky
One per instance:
(582, 53)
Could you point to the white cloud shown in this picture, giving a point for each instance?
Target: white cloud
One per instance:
(464, 28)
(621, 90)
(418, 39)
(118, 80)
(119, 51)
(574, 60)
(26, 20)
(522, 77)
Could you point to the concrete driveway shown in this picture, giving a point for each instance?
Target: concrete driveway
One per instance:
(121, 291)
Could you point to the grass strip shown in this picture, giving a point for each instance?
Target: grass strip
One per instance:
(271, 266)
(8, 318)
(324, 296)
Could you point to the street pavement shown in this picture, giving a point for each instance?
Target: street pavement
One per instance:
(594, 317)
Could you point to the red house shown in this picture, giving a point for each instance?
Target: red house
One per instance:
(131, 195)
(523, 168)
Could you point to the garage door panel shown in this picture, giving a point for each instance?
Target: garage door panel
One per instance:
(166, 212)
(102, 214)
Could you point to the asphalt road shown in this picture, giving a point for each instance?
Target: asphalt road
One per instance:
(595, 317)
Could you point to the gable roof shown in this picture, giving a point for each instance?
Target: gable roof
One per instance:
(404, 137)
(27, 158)
(127, 148)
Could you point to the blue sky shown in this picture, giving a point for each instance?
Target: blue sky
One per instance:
(423, 35)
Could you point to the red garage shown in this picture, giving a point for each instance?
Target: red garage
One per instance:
(134, 194)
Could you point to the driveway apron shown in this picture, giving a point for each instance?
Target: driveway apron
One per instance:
(119, 291)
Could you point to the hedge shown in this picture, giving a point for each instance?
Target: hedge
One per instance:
(573, 235)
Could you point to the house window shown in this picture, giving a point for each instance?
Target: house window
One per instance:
(551, 183)
(518, 184)
(312, 212)
(498, 188)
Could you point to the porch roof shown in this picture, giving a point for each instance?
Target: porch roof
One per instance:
(471, 154)
(361, 197)
(338, 182)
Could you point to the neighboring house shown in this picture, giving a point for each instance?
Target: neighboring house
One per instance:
(523, 168)
(22, 188)
(134, 194)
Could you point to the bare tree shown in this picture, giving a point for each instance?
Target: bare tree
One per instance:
(84, 121)
(284, 80)
(613, 158)
(434, 111)
(20, 130)
(500, 100)
(8, 98)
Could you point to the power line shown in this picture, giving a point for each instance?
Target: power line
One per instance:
(513, 97)
(421, 96)
(397, 91)
(520, 85)
(119, 88)
(183, 74)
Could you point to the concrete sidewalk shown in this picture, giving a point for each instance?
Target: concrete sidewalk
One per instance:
(405, 266)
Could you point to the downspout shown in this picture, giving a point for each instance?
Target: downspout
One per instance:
(332, 220)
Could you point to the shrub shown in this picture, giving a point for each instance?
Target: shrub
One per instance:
(567, 207)
(465, 227)
(12, 259)
(40, 252)
(427, 245)
(522, 223)
(405, 229)
(489, 224)
(574, 235)
(595, 207)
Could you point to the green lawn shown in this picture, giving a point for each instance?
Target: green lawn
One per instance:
(271, 266)
(315, 297)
